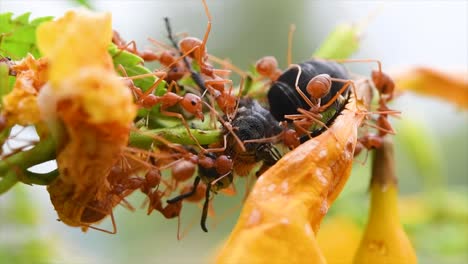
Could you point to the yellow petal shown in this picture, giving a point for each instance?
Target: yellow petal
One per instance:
(339, 239)
(90, 109)
(20, 105)
(81, 68)
(448, 86)
(284, 210)
(384, 240)
(79, 38)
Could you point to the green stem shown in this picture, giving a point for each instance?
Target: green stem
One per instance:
(42, 152)
(40, 178)
(8, 181)
(144, 139)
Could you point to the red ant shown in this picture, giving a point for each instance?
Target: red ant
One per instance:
(216, 173)
(146, 55)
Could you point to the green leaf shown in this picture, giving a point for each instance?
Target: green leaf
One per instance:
(84, 3)
(18, 35)
(340, 44)
(133, 66)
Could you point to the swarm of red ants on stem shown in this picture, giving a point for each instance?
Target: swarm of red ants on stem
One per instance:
(303, 101)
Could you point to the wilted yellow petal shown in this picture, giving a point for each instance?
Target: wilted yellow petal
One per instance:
(449, 86)
(20, 105)
(89, 108)
(80, 38)
(283, 212)
(81, 68)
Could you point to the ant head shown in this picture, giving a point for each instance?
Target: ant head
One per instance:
(192, 46)
(193, 104)
(153, 177)
(383, 82)
(267, 66)
(319, 86)
(290, 138)
(166, 57)
(223, 164)
(183, 170)
(206, 161)
(371, 141)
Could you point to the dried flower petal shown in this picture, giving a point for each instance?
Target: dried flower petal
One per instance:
(91, 110)
(284, 210)
(444, 85)
(20, 105)
(79, 38)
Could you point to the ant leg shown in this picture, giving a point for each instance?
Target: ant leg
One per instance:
(150, 90)
(205, 208)
(212, 82)
(378, 62)
(274, 138)
(187, 194)
(292, 28)
(184, 122)
(137, 93)
(296, 85)
(126, 48)
(114, 226)
(335, 97)
(173, 84)
(161, 45)
(239, 95)
(228, 65)
(228, 127)
(387, 131)
(312, 117)
(223, 148)
(202, 48)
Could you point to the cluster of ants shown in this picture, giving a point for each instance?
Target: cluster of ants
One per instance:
(252, 134)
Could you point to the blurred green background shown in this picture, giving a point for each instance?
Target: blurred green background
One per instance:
(432, 145)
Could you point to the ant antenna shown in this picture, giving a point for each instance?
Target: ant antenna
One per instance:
(205, 208)
(195, 76)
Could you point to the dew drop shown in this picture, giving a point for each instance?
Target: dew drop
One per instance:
(308, 230)
(323, 153)
(271, 187)
(284, 187)
(254, 217)
(320, 176)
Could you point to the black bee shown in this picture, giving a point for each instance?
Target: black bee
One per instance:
(252, 122)
(283, 97)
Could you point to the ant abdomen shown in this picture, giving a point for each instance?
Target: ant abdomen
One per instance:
(285, 100)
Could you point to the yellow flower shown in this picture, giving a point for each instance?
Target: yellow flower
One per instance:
(89, 109)
(384, 240)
